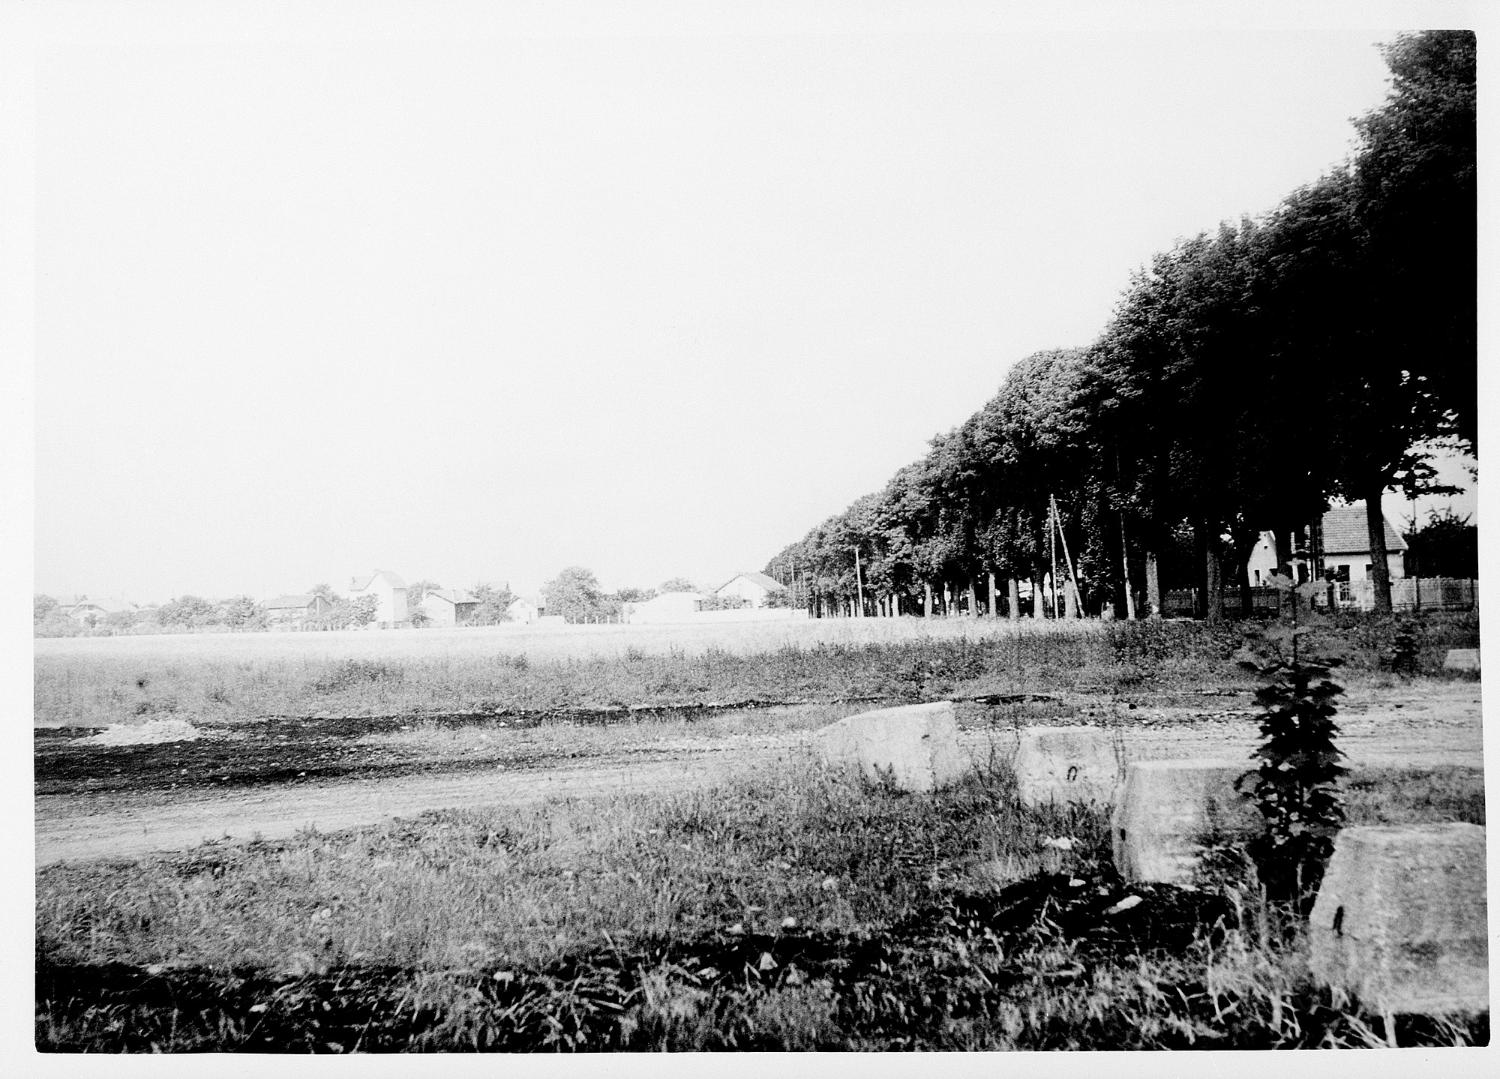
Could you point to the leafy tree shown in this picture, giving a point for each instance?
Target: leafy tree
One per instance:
(494, 604)
(187, 612)
(1410, 359)
(723, 603)
(1417, 199)
(575, 595)
(678, 584)
(1446, 546)
(123, 620)
(241, 613)
(41, 607)
(416, 592)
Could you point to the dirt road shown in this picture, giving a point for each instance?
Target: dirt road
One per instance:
(1436, 725)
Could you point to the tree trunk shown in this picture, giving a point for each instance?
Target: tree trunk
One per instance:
(1380, 570)
(926, 599)
(1213, 585)
(1038, 607)
(973, 601)
(1201, 557)
(1153, 586)
(994, 604)
(1012, 598)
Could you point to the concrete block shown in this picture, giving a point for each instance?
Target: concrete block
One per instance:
(1462, 659)
(916, 746)
(1166, 809)
(1400, 919)
(1068, 764)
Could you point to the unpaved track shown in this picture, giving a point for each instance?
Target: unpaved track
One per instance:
(1440, 725)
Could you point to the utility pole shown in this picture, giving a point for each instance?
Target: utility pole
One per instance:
(1076, 602)
(1052, 544)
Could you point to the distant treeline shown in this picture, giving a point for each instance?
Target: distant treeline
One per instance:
(1320, 351)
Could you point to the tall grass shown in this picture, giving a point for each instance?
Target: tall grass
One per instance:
(790, 910)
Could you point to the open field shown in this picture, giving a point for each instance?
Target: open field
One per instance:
(221, 678)
(443, 865)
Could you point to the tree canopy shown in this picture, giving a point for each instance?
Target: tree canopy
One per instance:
(1248, 377)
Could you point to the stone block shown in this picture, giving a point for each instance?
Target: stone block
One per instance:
(1400, 919)
(1167, 809)
(1068, 764)
(916, 747)
(1461, 659)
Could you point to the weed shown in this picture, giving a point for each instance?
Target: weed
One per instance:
(1295, 783)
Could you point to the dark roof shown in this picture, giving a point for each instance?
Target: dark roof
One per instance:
(1346, 532)
(281, 603)
(452, 595)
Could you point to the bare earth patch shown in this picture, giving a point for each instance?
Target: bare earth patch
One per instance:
(152, 732)
(1430, 725)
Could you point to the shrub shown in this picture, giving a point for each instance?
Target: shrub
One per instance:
(1294, 785)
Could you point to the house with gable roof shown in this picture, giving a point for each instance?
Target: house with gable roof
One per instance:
(88, 611)
(1343, 547)
(448, 606)
(295, 611)
(754, 588)
(389, 591)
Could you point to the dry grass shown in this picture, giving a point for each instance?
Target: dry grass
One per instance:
(227, 678)
(616, 924)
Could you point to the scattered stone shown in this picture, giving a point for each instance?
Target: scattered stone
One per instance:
(1168, 810)
(1068, 764)
(1400, 919)
(1462, 659)
(915, 747)
(1123, 905)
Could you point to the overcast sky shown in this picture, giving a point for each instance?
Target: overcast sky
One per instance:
(321, 289)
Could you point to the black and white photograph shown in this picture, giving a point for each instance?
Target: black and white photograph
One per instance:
(840, 528)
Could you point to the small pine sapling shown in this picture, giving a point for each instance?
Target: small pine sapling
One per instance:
(1295, 784)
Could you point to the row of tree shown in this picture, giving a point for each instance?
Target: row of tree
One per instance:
(1248, 376)
(242, 614)
(181, 614)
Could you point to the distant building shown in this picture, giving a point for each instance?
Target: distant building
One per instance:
(448, 606)
(295, 611)
(1344, 546)
(389, 591)
(90, 612)
(525, 610)
(667, 607)
(754, 588)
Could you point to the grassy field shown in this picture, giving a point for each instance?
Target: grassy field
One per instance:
(789, 909)
(222, 678)
(783, 912)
